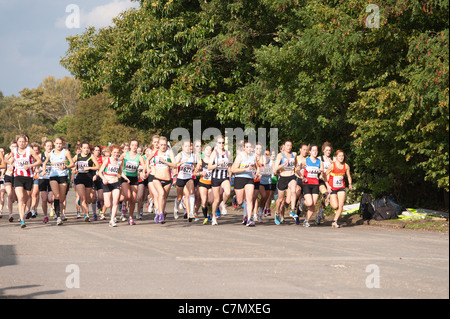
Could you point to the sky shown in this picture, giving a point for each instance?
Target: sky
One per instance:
(33, 36)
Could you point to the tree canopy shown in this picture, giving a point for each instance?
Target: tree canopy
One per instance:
(313, 69)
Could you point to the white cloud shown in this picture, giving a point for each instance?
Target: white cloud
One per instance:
(100, 16)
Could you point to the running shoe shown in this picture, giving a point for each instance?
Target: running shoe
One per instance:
(326, 197)
(244, 221)
(22, 224)
(131, 221)
(78, 215)
(63, 217)
(259, 217)
(277, 221)
(1, 214)
(94, 218)
(112, 223)
(123, 218)
(335, 225)
(11, 218)
(59, 221)
(175, 209)
(150, 206)
(28, 215)
(86, 219)
(102, 216)
(214, 222)
(52, 211)
(205, 221)
(250, 222)
(297, 220)
(45, 220)
(306, 223)
(223, 208)
(162, 219)
(156, 218)
(33, 214)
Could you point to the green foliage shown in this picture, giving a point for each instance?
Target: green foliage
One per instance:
(54, 109)
(313, 69)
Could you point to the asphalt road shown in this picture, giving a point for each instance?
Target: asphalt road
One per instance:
(182, 260)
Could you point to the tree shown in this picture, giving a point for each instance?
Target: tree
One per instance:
(313, 69)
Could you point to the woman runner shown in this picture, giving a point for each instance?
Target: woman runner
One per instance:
(97, 189)
(44, 181)
(131, 161)
(245, 170)
(109, 173)
(164, 161)
(9, 181)
(285, 163)
(204, 185)
(326, 159)
(336, 184)
(313, 168)
(219, 164)
(185, 184)
(25, 159)
(59, 173)
(86, 165)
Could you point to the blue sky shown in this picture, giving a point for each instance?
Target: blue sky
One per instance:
(33, 36)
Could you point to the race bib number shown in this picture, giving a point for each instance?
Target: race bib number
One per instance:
(159, 163)
(21, 163)
(290, 165)
(186, 170)
(131, 167)
(207, 174)
(313, 172)
(338, 181)
(112, 170)
(59, 165)
(81, 165)
(223, 164)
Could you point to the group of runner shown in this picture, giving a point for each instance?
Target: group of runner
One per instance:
(122, 178)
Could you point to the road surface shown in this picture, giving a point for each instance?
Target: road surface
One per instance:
(182, 260)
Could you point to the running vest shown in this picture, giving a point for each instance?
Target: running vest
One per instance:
(131, 166)
(291, 162)
(46, 174)
(266, 173)
(257, 179)
(207, 174)
(20, 160)
(186, 169)
(246, 162)
(161, 156)
(82, 162)
(221, 171)
(57, 161)
(111, 169)
(336, 179)
(326, 164)
(312, 171)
